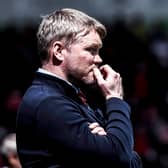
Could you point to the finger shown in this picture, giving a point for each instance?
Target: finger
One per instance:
(116, 75)
(121, 89)
(109, 73)
(102, 133)
(98, 76)
(93, 125)
(97, 130)
(118, 85)
(107, 69)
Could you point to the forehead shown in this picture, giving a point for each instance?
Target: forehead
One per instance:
(91, 39)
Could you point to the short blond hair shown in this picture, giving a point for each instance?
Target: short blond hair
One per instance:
(65, 25)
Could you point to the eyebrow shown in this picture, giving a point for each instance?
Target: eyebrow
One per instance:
(96, 45)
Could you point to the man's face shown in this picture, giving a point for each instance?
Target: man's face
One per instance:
(82, 57)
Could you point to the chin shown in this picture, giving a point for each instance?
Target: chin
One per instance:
(90, 81)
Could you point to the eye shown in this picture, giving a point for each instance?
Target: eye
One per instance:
(93, 50)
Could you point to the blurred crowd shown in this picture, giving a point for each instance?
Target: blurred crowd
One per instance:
(135, 48)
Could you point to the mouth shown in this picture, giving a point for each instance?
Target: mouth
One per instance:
(95, 66)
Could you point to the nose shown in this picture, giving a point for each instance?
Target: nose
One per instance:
(97, 59)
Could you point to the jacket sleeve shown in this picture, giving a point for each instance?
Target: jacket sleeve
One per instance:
(61, 120)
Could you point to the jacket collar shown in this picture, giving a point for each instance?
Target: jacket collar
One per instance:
(58, 84)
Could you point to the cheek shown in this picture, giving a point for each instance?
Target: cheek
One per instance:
(87, 60)
(80, 62)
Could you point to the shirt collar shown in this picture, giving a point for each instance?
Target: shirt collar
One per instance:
(44, 71)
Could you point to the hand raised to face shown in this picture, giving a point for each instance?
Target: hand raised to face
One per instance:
(109, 82)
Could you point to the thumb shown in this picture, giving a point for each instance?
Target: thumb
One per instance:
(98, 76)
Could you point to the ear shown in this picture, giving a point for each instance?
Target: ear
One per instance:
(57, 50)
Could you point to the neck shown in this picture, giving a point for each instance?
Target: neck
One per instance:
(55, 70)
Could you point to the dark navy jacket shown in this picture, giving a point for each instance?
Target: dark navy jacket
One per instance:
(52, 129)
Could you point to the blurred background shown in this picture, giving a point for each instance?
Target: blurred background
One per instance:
(136, 46)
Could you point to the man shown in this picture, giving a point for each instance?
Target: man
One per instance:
(9, 152)
(55, 126)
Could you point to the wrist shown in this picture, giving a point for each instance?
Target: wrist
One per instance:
(107, 97)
